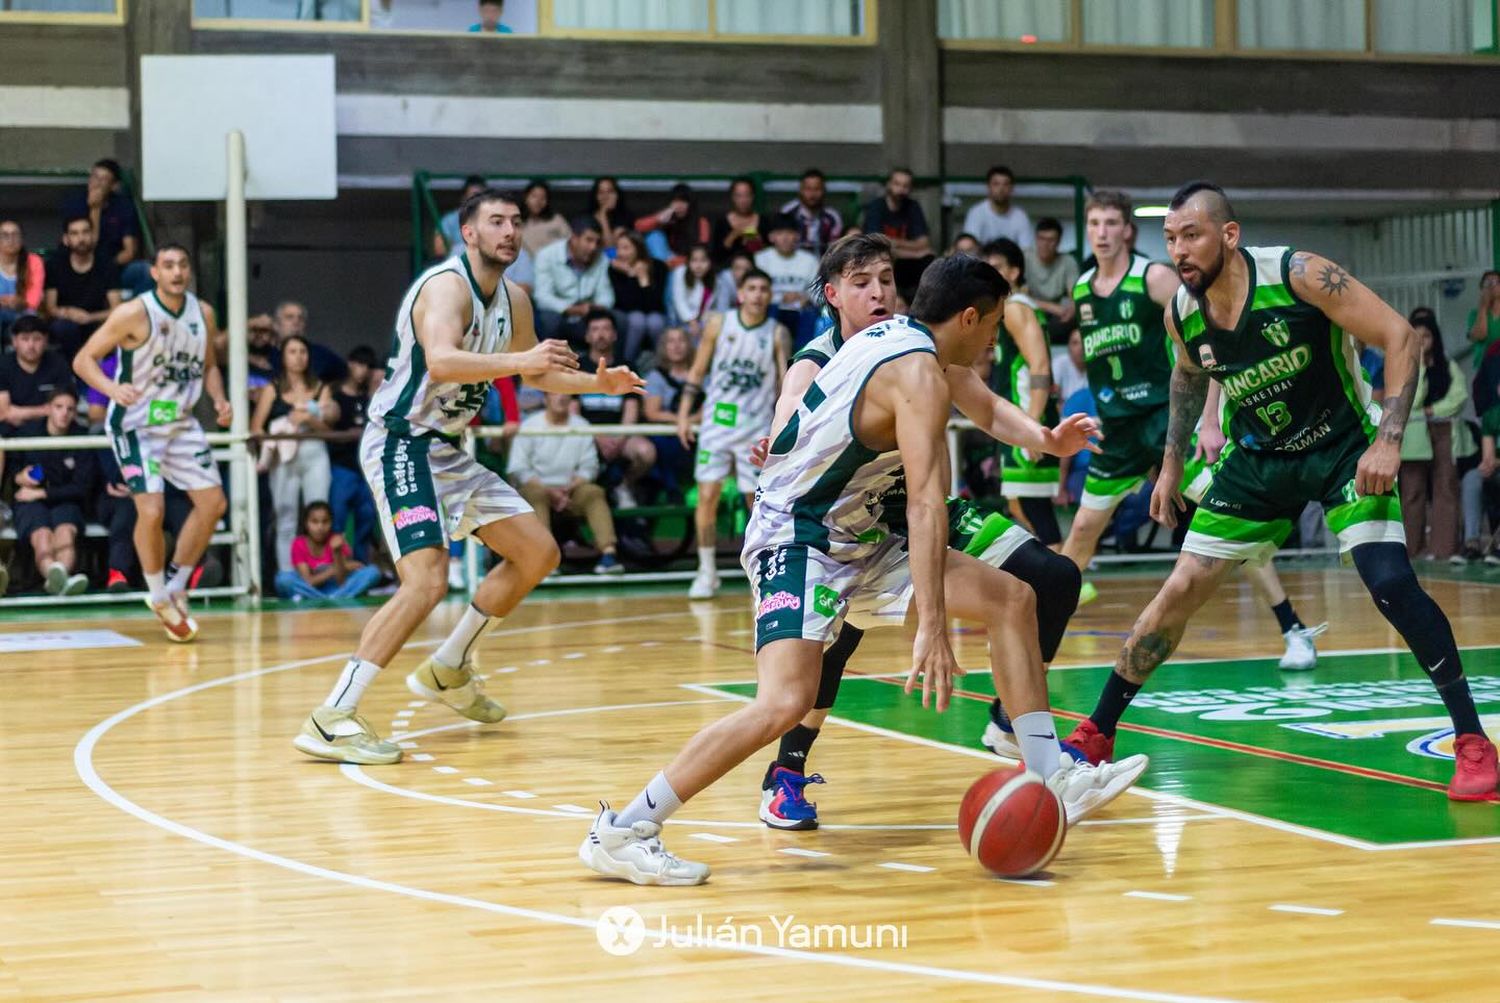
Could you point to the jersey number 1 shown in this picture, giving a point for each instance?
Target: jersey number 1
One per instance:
(1115, 369)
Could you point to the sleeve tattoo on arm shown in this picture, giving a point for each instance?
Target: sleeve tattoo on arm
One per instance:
(1189, 392)
(1396, 408)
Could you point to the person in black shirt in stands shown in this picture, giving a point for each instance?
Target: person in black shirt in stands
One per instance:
(348, 493)
(82, 287)
(899, 216)
(28, 377)
(51, 489)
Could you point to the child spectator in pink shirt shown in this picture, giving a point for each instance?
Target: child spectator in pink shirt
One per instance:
(324, 566)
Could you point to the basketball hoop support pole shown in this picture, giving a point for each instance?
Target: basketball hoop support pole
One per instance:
(244, 513)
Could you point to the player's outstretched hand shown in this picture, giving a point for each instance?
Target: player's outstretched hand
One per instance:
(760, 451)
(1376, 473)
(1166, 497)
(550, 356)
(617, 380)
(223, 412)
(933, 661)
(1072, 435)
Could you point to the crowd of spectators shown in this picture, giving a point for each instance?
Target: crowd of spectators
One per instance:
(621, 288)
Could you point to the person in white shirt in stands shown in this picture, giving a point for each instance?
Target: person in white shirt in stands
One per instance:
(792, 272)
(690, 292)
(572, 278)
(1050, 277)
(556, 474)
(995, 216)
(1067, 368)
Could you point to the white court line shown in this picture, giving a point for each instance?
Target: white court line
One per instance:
(797, 851)
(1474, 924)
(83, 763)
(1305, 910)
(1031, 882)
(478, 782)
(420, 757)
(523, 795)
(1158, 896)
(896, 865)
(445, 769)
(713, 837)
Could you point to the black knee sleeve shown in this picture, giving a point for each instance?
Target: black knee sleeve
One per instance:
(834, 660)
(1387, 573)
(1056, 582)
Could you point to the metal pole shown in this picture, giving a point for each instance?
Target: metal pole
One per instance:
(244, 515)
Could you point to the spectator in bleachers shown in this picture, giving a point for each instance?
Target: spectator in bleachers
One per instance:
(1073, 397)
(1051, 277)
(740, 228)
(490, 13)
(22, 276)
(557, 474)
(1484, 319)
(1067, 367)
(323, 566)
(29, 376)
(818, 224)
(290, 321)
(691, 291)
(113, 217)
(607, 206)
(727, 285)
(1489, 476)
(965, 243)
(792, 270)
(572, 279)
(1427, 450)
(51, 490)
(297, 403)
(83, 286)
(542, 225)
(899, 216)
(674, 361)
(348, 494)
(640, 285)
(673, 232)
(995, 215)
(447, 239)
(626, 457)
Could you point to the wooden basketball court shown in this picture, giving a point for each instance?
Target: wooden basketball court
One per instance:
(1291, 840)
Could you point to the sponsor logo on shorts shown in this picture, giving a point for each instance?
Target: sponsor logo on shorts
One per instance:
(825, 600)
(777, 601)
(412, 515)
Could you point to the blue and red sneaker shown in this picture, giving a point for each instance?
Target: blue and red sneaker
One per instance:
(782, 805)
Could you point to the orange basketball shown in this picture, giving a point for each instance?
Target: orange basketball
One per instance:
(1011, 823)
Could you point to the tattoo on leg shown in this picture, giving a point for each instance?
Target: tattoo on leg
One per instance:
(1141, 655)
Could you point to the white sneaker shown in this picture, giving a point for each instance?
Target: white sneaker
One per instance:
(705, 585)
(625, 498)
(1001, 742)
(75, 585)
(1300, 654)
(344, 737)
(57, 579)
(1084, 789)
(456, 578)
(635, 853)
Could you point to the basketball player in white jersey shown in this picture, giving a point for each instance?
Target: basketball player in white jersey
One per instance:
(461, 326)
(163, 342)
(748, 352)
(818, 548)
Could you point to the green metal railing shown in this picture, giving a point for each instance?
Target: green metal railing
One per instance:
(425, 215)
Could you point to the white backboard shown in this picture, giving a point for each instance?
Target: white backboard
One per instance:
(283, 104)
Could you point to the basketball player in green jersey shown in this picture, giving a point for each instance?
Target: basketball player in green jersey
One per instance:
(1022, 373)
(1128, 357)
(1280, 330)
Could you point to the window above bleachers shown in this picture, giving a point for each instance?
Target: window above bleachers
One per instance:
(1339, 29)
(63, 11)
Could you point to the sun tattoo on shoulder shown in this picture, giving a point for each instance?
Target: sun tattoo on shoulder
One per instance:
(1333, 279)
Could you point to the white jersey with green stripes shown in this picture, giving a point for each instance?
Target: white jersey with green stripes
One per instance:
(167, 367)
(740, 392)
(821, 486)
(410, 402)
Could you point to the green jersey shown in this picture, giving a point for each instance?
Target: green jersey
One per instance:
(1290, 376)
(1126, 351)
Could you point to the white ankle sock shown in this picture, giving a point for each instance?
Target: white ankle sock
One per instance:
(707, 558)
(471, 626)
(356, 676)
(179, 581)
(654, 804)
(156, 581)
(1037, 736)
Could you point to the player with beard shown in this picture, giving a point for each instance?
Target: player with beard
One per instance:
(461, 326)
(1280, 330)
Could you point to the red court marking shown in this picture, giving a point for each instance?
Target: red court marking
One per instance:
(1219, 743)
